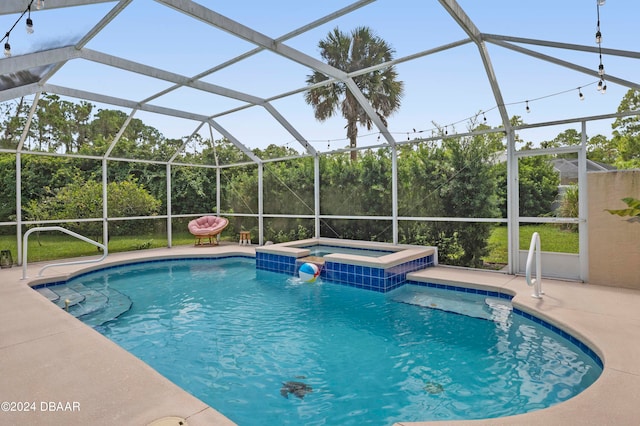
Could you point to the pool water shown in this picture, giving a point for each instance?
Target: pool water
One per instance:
(321, 250)
(232, 336)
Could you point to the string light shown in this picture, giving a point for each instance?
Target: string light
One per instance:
(600, 84)
(7, 46)
(602, 87)
(29, 25)
(29, 21)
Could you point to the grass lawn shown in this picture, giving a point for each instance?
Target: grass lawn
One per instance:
(48, 246)
(552, 238)
(51, 246)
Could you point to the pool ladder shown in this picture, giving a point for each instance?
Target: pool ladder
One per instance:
(534, 248)
(25, 245)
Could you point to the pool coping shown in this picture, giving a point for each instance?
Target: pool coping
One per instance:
(49, 356)
(401, 253)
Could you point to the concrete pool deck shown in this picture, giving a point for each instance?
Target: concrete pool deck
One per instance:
(56, 364)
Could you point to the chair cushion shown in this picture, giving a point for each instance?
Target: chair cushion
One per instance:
(207, 225)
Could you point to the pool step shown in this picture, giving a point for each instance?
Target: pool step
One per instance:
(92, 305)
(67, 296)
(117, 305)
(92, 300)
(52, 296)
(489, 308)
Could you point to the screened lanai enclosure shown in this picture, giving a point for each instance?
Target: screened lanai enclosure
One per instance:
(413, 122)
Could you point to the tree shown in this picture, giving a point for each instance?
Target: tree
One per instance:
(349, 53)
(537, 186)
(361, 188)
(469, 192)
(626, 132)
(601, 149)
(7, 190)
(14, 116)
(567, 138)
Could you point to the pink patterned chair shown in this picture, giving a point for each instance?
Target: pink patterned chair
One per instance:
(207, 227)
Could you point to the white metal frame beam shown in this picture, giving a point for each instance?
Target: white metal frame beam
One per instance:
(572, 66)
(181, 81)
(9, 7)
(248, 34)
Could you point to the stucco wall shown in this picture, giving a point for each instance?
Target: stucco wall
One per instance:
(614, 243)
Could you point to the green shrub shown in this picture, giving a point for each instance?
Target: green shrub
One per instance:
(83, 200)
(569, 207)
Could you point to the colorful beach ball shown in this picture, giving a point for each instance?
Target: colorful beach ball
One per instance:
(308, 272)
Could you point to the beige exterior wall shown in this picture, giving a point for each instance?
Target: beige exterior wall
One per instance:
(614, 242)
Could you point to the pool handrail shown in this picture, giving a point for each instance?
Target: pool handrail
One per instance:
(534, 248)
(25, 249)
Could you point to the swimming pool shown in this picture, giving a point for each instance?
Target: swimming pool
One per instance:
(364, 356)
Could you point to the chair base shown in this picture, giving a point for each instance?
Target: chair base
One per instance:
(213, 240)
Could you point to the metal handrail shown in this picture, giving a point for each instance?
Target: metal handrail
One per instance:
(25, 241)
(534, 247)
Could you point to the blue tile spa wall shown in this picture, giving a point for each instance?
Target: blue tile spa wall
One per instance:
(365, 277)
(276, 263)
(370, 278)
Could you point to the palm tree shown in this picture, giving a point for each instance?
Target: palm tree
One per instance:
(352, 52)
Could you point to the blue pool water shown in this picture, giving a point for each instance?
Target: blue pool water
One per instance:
(231, 336)
(321, 250)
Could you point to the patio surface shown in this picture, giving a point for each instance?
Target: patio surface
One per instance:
(75, 376)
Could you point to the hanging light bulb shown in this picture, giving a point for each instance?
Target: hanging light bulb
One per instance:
(598, 37)
(580, 95)
(7, 49)
(29, 21)
(600, 69)
(604, 89)
(528, 109)
(484, 117)
(39, 4)
(601, 2)
(600, 83)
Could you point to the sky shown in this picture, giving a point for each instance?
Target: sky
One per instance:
(444, 89)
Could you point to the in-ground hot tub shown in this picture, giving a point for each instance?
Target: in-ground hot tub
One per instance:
(369, 265)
